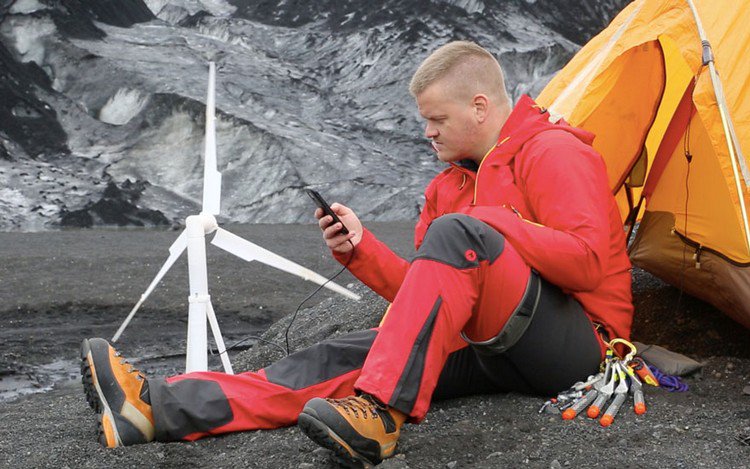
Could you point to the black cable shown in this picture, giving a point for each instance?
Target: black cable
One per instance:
(689, 158)
(684, 247)
(245, 339)
(284, 350)
(294, 316)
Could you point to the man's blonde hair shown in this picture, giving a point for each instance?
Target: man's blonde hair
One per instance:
(471, 68)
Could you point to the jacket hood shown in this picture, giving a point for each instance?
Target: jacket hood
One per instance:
(525, 121)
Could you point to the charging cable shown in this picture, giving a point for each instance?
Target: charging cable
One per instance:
(286, 350)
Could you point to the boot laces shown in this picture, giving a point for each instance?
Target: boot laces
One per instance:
(353, 405)
(130, 368)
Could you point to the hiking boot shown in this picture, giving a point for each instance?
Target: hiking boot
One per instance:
(118, 393)
(359, 430)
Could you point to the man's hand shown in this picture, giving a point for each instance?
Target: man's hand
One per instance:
(334, 239)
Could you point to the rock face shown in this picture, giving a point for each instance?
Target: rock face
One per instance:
(93, 94)
(116, 207)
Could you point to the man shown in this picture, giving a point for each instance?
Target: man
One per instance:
(521, 257)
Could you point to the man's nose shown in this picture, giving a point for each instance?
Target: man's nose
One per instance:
(430, 131)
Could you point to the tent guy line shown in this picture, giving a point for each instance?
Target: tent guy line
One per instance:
(726, 120)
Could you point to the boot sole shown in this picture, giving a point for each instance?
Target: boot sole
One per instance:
(321, 434)
(87, 379)
(96, 399)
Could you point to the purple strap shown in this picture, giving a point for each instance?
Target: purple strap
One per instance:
(668, 382)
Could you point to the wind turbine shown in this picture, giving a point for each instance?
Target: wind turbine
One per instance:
(193, 238)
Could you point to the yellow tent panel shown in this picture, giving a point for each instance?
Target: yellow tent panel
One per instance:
(666, 89)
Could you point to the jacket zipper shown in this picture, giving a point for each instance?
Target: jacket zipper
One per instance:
(476, 182)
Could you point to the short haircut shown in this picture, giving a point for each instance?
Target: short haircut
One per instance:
(473, 69)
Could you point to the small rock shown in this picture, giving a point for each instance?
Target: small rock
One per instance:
(495, 454)
(746, 390)
(320, 451)
(524, 427)
(731, 366)
(555, 465)
(394, 463)
(451, 464)
(305, 465)
(717, 375)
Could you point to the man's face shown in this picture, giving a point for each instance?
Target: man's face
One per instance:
(451, 122)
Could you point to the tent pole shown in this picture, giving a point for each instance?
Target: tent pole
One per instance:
(584, 77)
(737, 158)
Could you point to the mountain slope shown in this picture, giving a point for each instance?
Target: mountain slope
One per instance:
(111, 94)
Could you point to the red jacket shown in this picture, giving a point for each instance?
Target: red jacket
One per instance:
(545, 189)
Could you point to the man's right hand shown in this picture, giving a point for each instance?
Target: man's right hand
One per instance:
(331, 233)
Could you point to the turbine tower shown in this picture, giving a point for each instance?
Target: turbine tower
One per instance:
(193, 238)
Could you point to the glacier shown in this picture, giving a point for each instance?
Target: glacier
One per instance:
(102, 103)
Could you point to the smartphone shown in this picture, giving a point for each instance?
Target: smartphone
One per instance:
(320, 202)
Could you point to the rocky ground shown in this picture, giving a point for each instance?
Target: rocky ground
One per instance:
(59, 287)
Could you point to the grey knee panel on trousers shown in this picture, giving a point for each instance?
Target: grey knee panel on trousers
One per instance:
(461, 241)
(187, 406)
(322, 361)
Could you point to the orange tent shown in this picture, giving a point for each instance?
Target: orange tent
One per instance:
(666, 89)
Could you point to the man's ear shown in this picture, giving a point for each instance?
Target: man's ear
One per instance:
(481, 106)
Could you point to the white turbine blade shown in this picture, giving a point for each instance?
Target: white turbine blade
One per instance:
(252, 252)
(211, 176)
(175, 250)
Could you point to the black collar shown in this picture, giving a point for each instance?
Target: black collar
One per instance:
(471, 165)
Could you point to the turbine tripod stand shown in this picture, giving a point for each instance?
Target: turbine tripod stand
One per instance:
(193, 238)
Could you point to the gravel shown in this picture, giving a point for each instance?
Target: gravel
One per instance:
(63, 286)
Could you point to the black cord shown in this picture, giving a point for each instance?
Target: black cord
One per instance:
(245, 339)
(689, 158)
(284, 350)
(294, 316)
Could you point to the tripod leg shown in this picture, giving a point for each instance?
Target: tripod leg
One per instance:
(217, 337)
(175, 251)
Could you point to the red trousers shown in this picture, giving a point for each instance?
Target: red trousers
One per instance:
(465, 278)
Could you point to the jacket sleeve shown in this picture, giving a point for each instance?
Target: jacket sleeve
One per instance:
(567, 191)
(376, 265)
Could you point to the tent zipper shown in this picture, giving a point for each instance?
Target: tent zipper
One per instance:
(700, 249)
(697, 256)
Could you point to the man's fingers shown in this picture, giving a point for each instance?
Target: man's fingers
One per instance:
(333, 234)
(334, 239)
(340, 243)
(323, 222)
(339, 209)
(332, 231)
